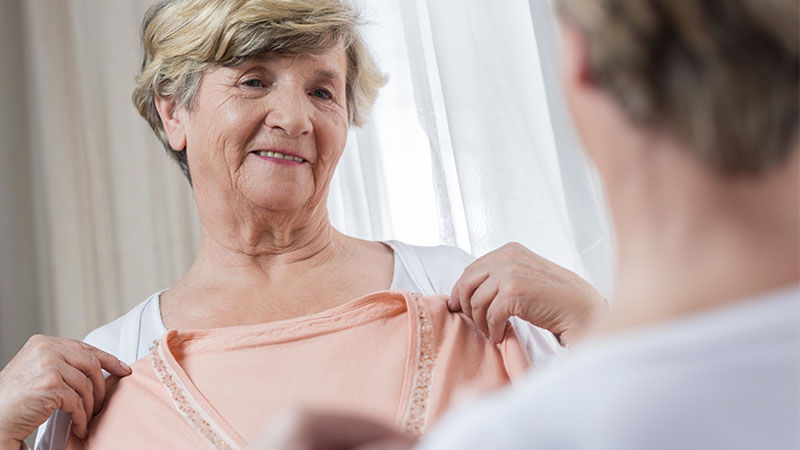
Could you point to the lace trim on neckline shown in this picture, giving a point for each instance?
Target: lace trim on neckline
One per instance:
(191, 411)
(417, 409)
(417, 413)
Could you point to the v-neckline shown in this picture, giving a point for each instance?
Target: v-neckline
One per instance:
(397, 265)
(215, 429)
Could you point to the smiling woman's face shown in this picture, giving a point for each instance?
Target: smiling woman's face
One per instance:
(268, 134)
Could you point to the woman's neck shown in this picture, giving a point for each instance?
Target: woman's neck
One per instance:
(244, 276)
(238, 256)
(691, 241)
(266, 249)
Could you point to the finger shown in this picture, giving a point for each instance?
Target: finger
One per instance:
(80, 384)
(464, 305)
(108, 361)
(484, 296)
(453, 303)
(472, 277)
(307, 430)
(72, 404)
(467, 290)
(496, 318)
(399, 442)
(90, 365)
(465, 296)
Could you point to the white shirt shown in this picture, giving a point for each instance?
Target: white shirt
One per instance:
(427, 270)
(724, 379)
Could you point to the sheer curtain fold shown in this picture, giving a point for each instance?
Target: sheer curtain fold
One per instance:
(432, 115)
(467, 145)
(18, 279)
(518, 165)
(583, 193)
(356, 203)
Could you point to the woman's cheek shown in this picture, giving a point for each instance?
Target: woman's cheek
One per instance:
(332, 129)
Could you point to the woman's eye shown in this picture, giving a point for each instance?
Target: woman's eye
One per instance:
(322, 93)
(255, 83)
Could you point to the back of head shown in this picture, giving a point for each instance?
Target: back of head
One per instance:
(720, 76)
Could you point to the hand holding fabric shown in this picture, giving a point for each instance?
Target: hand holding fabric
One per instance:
(50, 373)
(316, 431)
(514, 281)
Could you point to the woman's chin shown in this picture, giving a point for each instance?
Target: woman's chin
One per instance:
(278, 202)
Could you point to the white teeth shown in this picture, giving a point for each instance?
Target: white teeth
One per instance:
(277, 155)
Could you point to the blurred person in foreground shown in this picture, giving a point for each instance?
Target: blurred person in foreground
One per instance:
(253, 99)
(689, 108)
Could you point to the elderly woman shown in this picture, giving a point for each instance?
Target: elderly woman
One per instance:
(254, 99)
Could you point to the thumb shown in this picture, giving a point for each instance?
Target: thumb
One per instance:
(454, 302)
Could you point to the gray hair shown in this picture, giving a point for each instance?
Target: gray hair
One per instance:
(720, 76)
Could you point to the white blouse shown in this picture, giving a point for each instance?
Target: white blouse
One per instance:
(724, 378)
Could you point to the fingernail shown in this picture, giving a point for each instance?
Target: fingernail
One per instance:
(124, 366)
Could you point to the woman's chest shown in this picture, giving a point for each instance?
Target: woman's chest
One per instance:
(361, 370)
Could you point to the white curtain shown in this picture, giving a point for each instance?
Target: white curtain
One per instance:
(503, 163)
(468, 145)
(113, 218)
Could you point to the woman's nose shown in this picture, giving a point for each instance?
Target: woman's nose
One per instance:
(287, 113)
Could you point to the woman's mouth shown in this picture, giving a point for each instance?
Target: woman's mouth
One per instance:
(278, 156)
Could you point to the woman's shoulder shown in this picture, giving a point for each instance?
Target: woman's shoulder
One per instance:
(121, 336)
(463, 361)
(442, 265)
(436, 253)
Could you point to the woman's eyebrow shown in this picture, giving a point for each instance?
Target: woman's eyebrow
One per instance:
(328, 74)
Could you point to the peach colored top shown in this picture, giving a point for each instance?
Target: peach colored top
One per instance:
(391, 356)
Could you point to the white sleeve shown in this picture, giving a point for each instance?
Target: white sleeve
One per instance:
(119, 338)
(53, 433)
(443, 265)
(540, 345)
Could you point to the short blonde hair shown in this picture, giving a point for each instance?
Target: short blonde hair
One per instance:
(182, 39)
(719, 75)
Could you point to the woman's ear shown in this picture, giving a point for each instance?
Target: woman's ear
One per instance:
(574, 57)
(172, 119)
